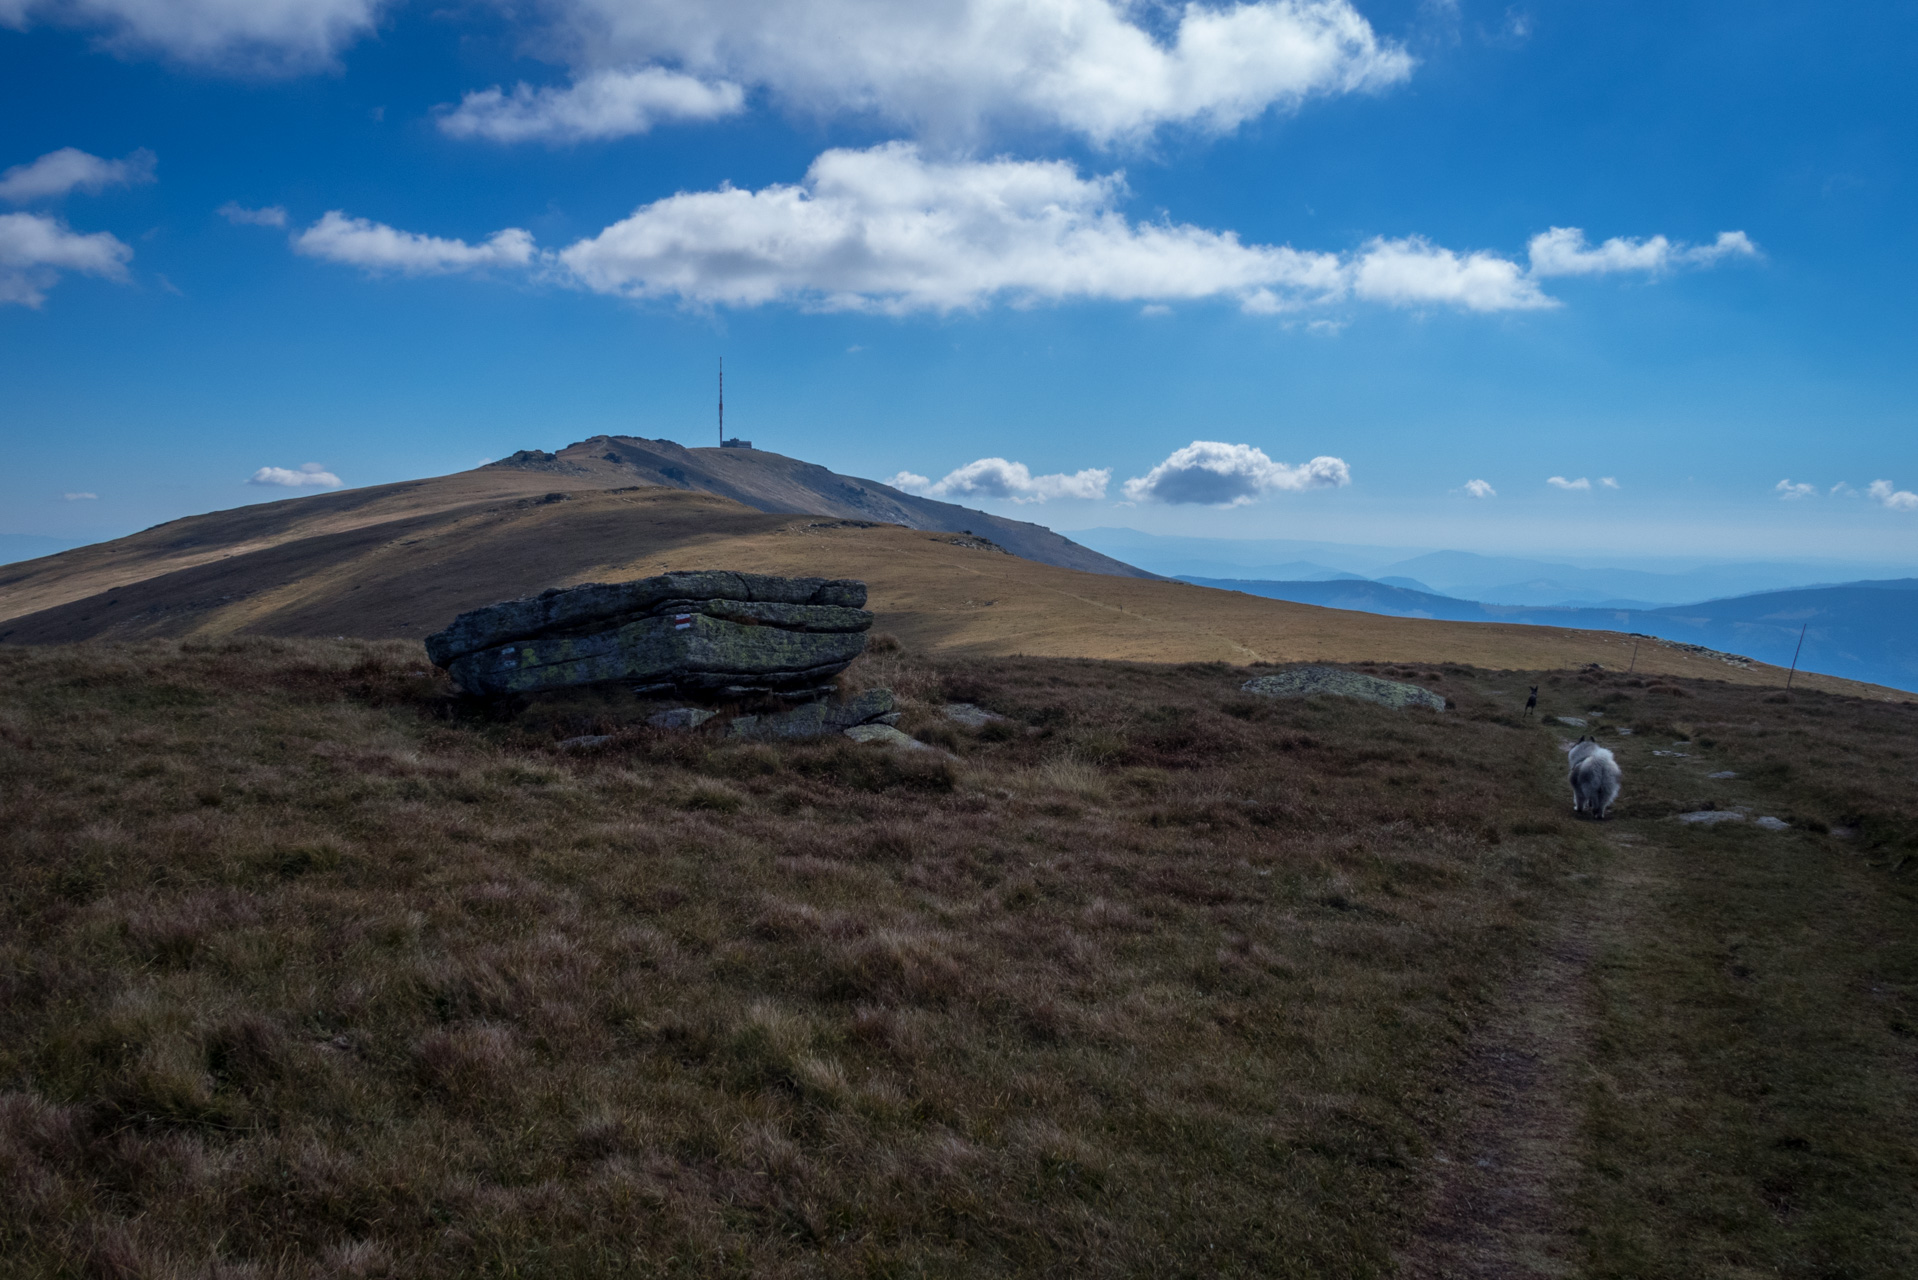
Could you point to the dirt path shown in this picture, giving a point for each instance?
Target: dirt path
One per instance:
(1504, 1181)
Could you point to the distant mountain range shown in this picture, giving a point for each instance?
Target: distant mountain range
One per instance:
(1859, 630)
(1634, 584)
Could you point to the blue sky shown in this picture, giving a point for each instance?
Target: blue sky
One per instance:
(1090, 263)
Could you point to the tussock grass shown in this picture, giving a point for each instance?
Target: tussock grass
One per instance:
(310, 969)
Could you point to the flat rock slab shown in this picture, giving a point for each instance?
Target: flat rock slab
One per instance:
(597, 604)
(715, 631)
(970, 716)
(817, 719)
(1710, 816)
(1303, 682)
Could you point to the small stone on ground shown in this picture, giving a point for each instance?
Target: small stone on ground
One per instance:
(886, 736)
(1709, 816)
(585, 742)
(1722, 773)
(1773, 824)
(681, 718)
(967, 714)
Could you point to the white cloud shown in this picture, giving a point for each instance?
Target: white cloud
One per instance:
(1413, 272)
(1610, 482)
(233, 35)
(378, 247)
(951, 67)
(1881, 492)
(1231, 475)
(603, 104)
(888, 230)
(312, 475)
(1560, 482)
(1786, 489)
(998, 478)
(241, 216)
(1562, 251)
(71, 169)
(80, 497)
(1480, 489)
(34, 250)
(910, 481)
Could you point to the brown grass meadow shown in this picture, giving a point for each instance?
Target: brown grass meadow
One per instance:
(309, 968)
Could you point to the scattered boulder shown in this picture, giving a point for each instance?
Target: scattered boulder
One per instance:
(885, 735)
(818, 719)
(1770, 823)
(585, 742)
(970, 716)
(1574, 721)
(715, 631)
(681, 718)
(1710, 816)
(1303, 682)
(1722, 773)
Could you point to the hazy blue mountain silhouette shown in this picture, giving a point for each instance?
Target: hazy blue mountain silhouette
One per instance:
(1859, 630)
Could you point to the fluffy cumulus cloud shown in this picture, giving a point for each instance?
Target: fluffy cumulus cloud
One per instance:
(71, 169)
(313, 475)
(1099, 68)
(1480, 489)
(1786, 489)
(889, 229)
(34, 250)
(1882, 492)
(1563, 251)
(240, 35)
(998, 478)
(1231, 475)
(241, 216)
(604, 104)
(378, 248)
(1560, 482)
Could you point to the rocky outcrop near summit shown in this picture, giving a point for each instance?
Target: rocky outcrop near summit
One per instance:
(716, 631)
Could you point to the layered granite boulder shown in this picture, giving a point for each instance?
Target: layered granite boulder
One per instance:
(715, 631)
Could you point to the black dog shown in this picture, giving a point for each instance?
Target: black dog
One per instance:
(1531, 703)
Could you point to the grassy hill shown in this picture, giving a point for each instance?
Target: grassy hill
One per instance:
(308, 969)
(400, 561)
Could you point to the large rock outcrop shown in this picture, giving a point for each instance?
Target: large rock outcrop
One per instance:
(707, 630)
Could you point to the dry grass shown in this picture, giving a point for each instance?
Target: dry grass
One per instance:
(309, 969)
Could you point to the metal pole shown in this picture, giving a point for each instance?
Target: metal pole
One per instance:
(1634, 665)
(722, 402)
(1794, 656)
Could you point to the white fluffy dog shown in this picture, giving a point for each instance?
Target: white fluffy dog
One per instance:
(1594, 778)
